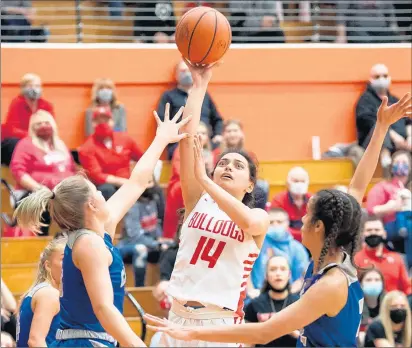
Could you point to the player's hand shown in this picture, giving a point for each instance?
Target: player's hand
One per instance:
(201, 74)
(178, 332)
(200, 167)
(168, 130)
(388, 115)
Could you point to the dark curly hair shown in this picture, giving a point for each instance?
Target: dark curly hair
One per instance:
(249, 198)
(341, 215)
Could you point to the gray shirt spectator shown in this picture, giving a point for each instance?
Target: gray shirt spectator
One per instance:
(362, 21)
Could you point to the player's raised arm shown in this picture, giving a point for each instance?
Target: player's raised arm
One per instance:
(167, 132)
(252, 221)
(387, 115)
(191, 189)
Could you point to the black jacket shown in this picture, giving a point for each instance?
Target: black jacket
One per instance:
(177, 98)
(366, 110)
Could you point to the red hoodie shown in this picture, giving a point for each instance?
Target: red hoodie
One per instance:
(390, 264)
(18, 117)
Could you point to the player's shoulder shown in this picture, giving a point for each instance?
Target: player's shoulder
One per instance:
(48, 293)
(87, 242)
(334, 281)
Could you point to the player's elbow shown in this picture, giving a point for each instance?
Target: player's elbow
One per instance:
(264, 337)
(35, 340)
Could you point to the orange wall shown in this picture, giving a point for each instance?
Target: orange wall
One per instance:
(283, 96)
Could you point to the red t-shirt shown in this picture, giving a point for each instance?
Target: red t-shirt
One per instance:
(390, 264)
(47, 169)
(18, 117)
(381, 194)
(174, 201)
(285, 201)
(99, 161)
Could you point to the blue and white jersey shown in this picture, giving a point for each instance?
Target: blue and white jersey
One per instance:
(25, 318)
(77, 316)
(341, 330)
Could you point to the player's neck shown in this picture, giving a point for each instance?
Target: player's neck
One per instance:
(278, 295)
(333, 256)
(95, 225)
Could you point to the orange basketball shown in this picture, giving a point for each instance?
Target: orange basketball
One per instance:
(203, 35)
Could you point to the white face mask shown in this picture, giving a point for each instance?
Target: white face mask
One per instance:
(381, 84)
(298, 188)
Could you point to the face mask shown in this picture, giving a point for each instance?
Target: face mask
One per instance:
(372, 289)
(400, 169)
(44, 132)
(398, 315)
(105, 95)
(381, 84)
(185, 79)
(103, 131)
(32, 93)
(286, 287)
(373, 240)
(298, 188)
(276, 232)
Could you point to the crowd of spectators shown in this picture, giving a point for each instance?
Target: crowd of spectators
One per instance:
(261, 21)
(37, 157)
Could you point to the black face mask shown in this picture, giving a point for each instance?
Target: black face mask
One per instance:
(373, 240)
(398, 315)
(149, 193)
(286, 287)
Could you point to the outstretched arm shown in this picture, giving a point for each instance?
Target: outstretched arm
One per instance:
(191, 189)
(387, 115)
(254, 222)
(128, 193)
(327, 296)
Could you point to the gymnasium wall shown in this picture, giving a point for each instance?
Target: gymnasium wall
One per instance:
(283, 95)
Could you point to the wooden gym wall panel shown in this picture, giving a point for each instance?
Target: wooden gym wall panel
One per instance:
(283, 95)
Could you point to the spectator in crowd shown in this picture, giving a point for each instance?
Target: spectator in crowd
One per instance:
(155, 22)
(177, 98)
(41, 159)
(388, 199)
(372, 283)
(275, 296)
(104, 94)
(256, 21)
(366, 22)
(279, 242)
(403, 15)
(174, 198)
(188, 5)
(16, 126)
(8, 310)
(374, 253)
(16, 19)
(115, 8)
(393, 327)
(295, 199)
(142, 230)
(234, 139)
(399, 136)
(106, 155)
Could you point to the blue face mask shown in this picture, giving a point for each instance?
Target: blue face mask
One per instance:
(277, 232)
(400, 169)
(372, 289)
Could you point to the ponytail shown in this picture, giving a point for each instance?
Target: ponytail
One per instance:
(30, 210)
(249, 200)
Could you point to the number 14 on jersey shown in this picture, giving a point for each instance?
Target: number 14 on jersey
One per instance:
(204, 248)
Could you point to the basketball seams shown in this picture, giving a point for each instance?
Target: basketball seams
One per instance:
(213, 40)
(193, 32)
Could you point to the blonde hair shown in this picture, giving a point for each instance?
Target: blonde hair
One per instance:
(66, 205)
(57, 143)
(100, 83)
(27, 78)
(43, 275)
(384, 316)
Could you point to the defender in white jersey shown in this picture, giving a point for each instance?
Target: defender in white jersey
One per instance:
(221, 235)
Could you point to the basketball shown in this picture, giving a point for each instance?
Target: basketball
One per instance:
(203, 35)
